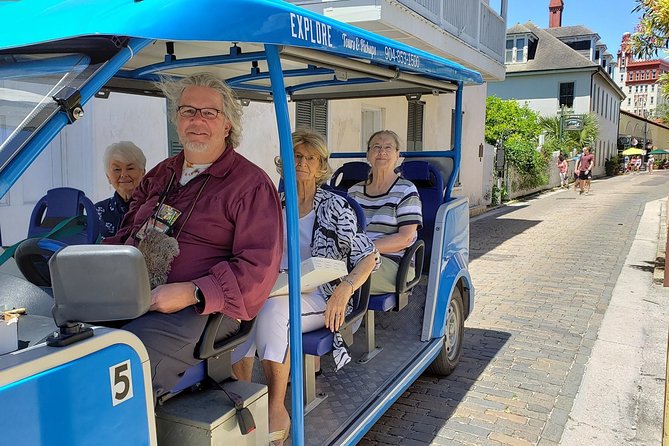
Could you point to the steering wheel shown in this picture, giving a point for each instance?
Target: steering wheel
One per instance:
(32, 258)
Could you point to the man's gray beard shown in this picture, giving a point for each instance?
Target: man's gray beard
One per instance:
(196, 147)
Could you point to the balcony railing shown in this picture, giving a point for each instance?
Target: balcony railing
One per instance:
(473, 21)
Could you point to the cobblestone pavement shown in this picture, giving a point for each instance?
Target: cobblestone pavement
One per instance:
(544, 271)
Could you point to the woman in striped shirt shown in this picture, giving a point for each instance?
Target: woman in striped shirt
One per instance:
(392, 208)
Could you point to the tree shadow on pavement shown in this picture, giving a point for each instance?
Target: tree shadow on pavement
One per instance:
(485, 235)
(649, 267)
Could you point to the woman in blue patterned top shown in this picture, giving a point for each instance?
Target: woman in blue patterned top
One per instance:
(392, 208)
(125, 165)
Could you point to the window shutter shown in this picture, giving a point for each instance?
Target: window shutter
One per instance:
(313, 115)
(415, 112)
(320, 118)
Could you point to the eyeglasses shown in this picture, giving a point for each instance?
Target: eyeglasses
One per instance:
(380, 148)
(187, 111)
(308, 158)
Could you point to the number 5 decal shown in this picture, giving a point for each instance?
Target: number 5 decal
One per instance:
(121, 382)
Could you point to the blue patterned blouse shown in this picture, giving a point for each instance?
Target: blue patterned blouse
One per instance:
(110, 213)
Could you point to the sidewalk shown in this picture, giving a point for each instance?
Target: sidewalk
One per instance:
(621, 397)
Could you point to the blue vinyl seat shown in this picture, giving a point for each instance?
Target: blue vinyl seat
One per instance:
(215, 353)
(61, 204)
(349, 174)
(430, 185)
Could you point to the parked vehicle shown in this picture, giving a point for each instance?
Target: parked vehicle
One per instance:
(95, 387)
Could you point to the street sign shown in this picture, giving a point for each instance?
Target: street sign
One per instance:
(572, 122)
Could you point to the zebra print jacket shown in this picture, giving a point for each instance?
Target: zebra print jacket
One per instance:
(335, 236)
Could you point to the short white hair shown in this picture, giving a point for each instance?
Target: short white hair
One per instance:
(127, 151)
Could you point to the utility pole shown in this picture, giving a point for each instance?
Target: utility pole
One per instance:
(561, 123)
(645, 127)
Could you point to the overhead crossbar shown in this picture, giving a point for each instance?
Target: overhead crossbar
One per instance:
(312, 57)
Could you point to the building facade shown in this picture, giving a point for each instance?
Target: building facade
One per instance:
(563, 68)
(639, 80)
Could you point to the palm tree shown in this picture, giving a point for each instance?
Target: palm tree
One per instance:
(571, 138)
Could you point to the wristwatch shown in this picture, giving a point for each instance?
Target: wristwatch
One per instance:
(199, 297)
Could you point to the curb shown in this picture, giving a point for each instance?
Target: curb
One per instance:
(658, 271)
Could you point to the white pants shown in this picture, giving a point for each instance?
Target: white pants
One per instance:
(270, 332)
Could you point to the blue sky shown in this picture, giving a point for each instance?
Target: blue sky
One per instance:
(608, 18)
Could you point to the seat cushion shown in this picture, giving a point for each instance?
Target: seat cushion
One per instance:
(382, 302)
(317, 342)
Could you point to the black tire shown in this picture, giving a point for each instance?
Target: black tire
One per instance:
(449, 356)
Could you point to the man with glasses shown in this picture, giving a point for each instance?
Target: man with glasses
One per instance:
(223, 214)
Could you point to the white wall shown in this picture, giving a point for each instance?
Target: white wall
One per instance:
(345, 131)
(542, 91)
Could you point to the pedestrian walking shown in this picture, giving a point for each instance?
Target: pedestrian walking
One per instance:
(577, 182)
(626, 164)
(563, 167)
(585, 165)
(650, 163)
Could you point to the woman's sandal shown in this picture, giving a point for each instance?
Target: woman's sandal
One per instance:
(278, 437)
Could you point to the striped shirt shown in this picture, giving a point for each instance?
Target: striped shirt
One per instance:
(385, 213)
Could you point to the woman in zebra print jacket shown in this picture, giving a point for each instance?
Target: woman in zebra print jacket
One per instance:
(328, 228)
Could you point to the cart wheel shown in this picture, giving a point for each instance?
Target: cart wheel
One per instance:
(449, 356)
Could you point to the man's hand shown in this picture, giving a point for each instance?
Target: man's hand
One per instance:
(172, 297)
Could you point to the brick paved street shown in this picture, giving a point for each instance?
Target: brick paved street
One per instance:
(544, 271)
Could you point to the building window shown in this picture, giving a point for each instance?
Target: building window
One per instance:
(654, 73)
(629, 89)
(651, 99)
(372, 121)
(622, 77)
(629, 101)
(652, 87)
(596, 54)
(509, 51)
(312, 114)
(567, 94)
(515, 50)
(415, 114)
(520, 50)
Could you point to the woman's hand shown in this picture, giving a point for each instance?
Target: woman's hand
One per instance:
(335, 310)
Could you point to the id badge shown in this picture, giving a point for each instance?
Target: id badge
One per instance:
(162, 220)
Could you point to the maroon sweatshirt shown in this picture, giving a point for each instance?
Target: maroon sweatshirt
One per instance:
(230, 247)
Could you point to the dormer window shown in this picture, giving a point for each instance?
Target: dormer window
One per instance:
(516, 50)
